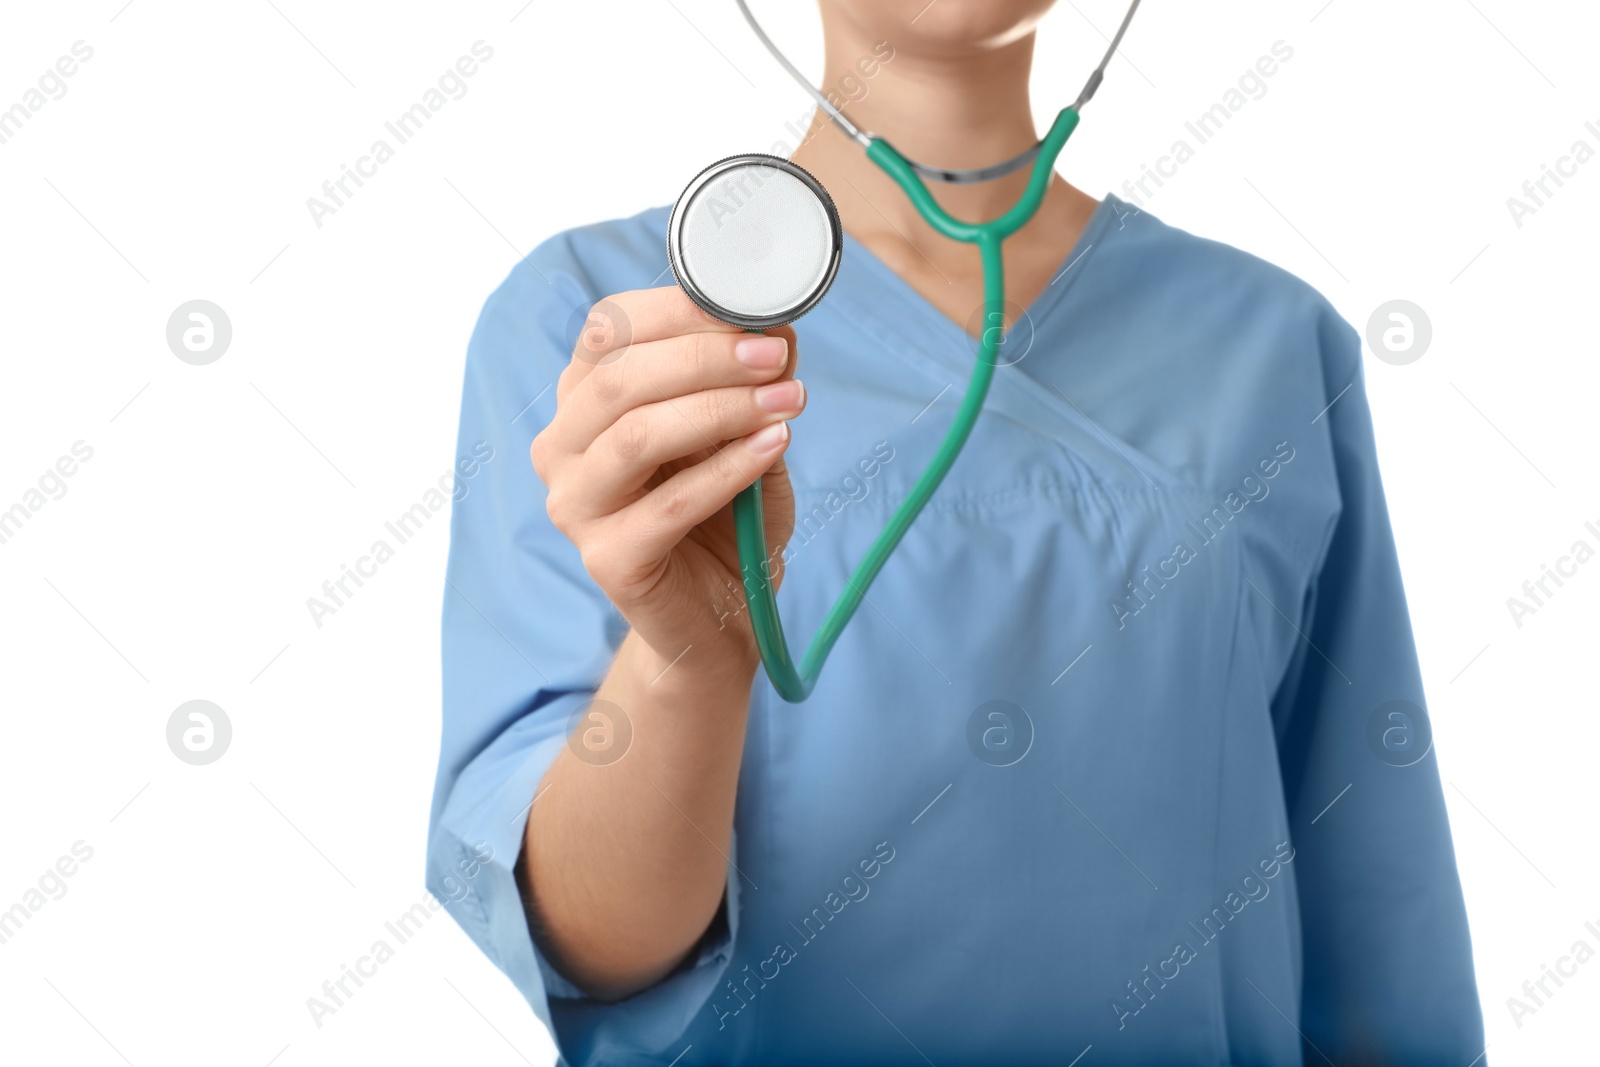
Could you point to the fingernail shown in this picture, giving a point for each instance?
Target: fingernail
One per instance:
(762, 353)
(781, 396)
(769, 439)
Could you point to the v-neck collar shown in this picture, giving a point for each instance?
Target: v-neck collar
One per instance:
(886, 312)
(1093, 234)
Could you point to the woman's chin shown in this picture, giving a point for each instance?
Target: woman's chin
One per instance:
(944, 28)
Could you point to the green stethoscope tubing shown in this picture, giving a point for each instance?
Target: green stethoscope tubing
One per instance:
(794, 683)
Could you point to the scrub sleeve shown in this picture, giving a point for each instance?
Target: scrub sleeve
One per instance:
(1387, 953)
(527, 639)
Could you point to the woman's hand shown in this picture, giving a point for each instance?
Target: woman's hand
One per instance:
(662, 417)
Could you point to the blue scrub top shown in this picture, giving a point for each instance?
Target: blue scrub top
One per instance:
(1127, 748)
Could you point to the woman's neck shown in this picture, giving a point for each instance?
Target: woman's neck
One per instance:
(962, 111)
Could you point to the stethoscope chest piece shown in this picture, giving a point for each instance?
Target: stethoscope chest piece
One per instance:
(755, 241)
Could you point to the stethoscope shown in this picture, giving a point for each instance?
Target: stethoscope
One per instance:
(755, 241)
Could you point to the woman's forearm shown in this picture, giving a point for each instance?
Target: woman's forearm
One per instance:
(626, 861)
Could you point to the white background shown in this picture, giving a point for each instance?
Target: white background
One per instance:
(178, 563)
